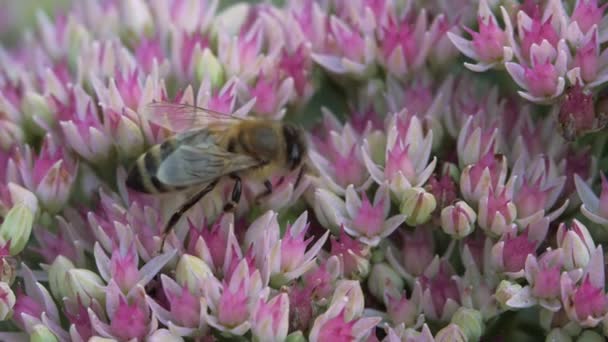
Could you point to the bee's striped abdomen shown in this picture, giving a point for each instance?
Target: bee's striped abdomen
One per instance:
(142, 176)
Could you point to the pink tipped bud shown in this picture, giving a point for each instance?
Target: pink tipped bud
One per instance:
(458, 220)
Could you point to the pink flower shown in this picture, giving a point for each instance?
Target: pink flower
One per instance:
(415, 254)
(476, 142)
(271, 95)
(25, 305)
(352, 253)
(83, 130)
(510, 253)
(404, 44)
(129, 321)
(336, 324)
(407, 153)
(338, 158)
(496, 212)
(183, 315)
(231, 305)
(297, 65)
(149, 52)
(587, 13)
(544, 79)
(441, 290)
(577, 113)
(348, 50)
(301, 306)
(322, 278)
(537, 188)
(534, 31)
(577, 243)
(36, 306)
(584, 298)
(78, 316)
(367, 221)
(443, 189)
(123, 267)
(594, 208)
(488, 174)
(488, 46)
(271, 319)
(406, 310)
(50, 175)
(543, 274)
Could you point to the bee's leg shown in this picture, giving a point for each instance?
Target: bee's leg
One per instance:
(300, 175)
(184, 208)
(267, 192)
(236, 193)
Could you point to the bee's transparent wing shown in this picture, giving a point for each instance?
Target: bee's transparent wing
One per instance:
(179, 117)
(201, 163)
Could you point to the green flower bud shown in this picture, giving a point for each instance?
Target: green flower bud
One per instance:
(40, 333)
(58, 277)
(470, 322)
(230, 20)
(295, 336)
(384, 280)
(558, 335)
(418, 205)
(17, 227)
(208, 67)
(164, 335)
(35, 105)
(85, 284)
(505, 291)
(590, 336)
(192, 272)
(451, 333)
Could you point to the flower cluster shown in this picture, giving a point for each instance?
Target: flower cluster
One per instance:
(434, 204)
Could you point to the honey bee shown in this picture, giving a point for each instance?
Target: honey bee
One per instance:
(208, 146)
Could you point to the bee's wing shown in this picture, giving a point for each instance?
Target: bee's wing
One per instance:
(201, 163)
(182, 117)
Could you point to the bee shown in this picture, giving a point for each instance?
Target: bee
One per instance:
(208, 146)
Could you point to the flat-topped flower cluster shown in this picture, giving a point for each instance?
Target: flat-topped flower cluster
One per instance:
(439, 204)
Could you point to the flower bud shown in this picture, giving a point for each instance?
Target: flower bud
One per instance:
(162, 335)
(128, 137)
(208, 67)
(7, 301)
(192, 272)
(40, 333)
(58, 277)
(101, 339)
(35, 105)
(417, 205)
(17, 227)
(384, 280)
(350, 289)
(85, 284)
(558, 335)
(577, 244)
(136, 16)
(451, 333)
(590, 336)
(458, 220)
(295, 336)
(230, 20)
(470, 321)
(505, 291)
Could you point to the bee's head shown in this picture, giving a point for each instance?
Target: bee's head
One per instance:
(295, 144)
